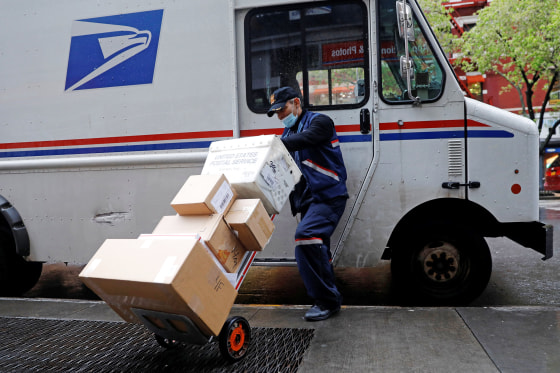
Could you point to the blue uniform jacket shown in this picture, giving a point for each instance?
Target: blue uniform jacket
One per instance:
(314, 145)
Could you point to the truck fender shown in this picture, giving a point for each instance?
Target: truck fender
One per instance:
(460, 212)
(12, 221)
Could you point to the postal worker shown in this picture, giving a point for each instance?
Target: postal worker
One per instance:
(320, 196)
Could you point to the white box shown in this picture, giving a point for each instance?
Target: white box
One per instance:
(256, 167)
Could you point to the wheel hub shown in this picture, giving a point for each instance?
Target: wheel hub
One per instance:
(237, 338)
(440, 260)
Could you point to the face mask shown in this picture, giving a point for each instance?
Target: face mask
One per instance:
(289, 121)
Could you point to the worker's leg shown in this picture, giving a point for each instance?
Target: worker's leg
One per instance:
(313, 253)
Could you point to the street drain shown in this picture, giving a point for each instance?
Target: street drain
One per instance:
(46, 345)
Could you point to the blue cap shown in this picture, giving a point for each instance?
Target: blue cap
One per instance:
(279, 98)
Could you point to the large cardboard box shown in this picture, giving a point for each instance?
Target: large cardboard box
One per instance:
(204, 195)
(253, 225)
(257, 167)
(213, 230)
(175, 276)
(235, 278)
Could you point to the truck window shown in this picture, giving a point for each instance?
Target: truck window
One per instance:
(318, 48)
(428, 79)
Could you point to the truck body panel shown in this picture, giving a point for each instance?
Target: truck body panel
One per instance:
(106, 109)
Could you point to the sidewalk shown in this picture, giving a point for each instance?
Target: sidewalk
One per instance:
(379, 339)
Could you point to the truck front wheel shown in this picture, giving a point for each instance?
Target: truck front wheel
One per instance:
(441, 265)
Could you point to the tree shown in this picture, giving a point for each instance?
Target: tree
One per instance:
(439, 19)
(517, 39)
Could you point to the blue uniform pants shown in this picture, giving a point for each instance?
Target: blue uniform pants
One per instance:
(313, 254)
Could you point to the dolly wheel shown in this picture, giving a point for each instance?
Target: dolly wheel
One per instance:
(166, 342)
(235, 338)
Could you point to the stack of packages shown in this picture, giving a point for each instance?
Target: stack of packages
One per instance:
(193, 263)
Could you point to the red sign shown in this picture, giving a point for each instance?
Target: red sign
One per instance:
(388, 50)
(348, 52)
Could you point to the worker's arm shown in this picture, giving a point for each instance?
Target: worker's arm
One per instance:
(320, 130)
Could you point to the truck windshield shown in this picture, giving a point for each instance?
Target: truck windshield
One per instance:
(317, 48)
(428, 78)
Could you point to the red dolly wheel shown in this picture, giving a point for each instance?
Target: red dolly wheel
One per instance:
(234, 339)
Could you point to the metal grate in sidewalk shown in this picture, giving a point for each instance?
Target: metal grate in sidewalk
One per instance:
(46, 345)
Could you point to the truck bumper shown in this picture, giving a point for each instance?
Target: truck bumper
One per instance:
(534, 235)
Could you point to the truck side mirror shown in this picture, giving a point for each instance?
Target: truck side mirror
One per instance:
(404, 20)
(407, 68)
(406, 32)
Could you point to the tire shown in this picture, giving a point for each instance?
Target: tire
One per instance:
(234, 339)
(16, 274)
(441, 265)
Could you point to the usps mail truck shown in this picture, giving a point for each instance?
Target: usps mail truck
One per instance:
(106, 108)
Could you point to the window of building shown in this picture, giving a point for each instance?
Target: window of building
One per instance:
(554, 98)
(476, 90)
(319, 49)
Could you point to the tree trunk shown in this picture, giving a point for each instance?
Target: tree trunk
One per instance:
(529, 99)
(546, 100)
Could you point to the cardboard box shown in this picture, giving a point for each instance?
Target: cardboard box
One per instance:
(204, 195)
(257, 167)
(175, 276)
(253, 225)
(235, 278)
(214, 232)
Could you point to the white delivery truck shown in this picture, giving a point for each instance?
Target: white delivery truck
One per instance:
(107, 107)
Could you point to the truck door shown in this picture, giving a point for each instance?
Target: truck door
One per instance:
(421, 115)
(324, 51)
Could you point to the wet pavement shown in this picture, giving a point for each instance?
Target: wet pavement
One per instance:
(358, 339)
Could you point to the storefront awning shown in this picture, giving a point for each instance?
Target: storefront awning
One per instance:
(471, 79)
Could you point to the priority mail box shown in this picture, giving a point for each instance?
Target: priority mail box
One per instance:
(257, 167)
(176, 276)
(204, 195)
(251, 221)
(214, 232)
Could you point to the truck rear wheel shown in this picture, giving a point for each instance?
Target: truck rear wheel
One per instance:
(16, 274)
(441, 265)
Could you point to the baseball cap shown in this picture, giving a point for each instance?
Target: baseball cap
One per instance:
(279, 98)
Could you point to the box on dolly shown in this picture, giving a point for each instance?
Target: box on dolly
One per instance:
(257, 167)
(204, 195)
(214, 232)
(249, 219)
(175, 276)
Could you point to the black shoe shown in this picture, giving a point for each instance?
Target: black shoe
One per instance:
(318, 313)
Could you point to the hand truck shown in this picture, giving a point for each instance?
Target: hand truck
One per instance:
(170, 330)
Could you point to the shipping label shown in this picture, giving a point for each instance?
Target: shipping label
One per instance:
(268, 174)
(222, 198)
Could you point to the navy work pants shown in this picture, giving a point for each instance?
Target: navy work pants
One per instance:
(313, 253)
